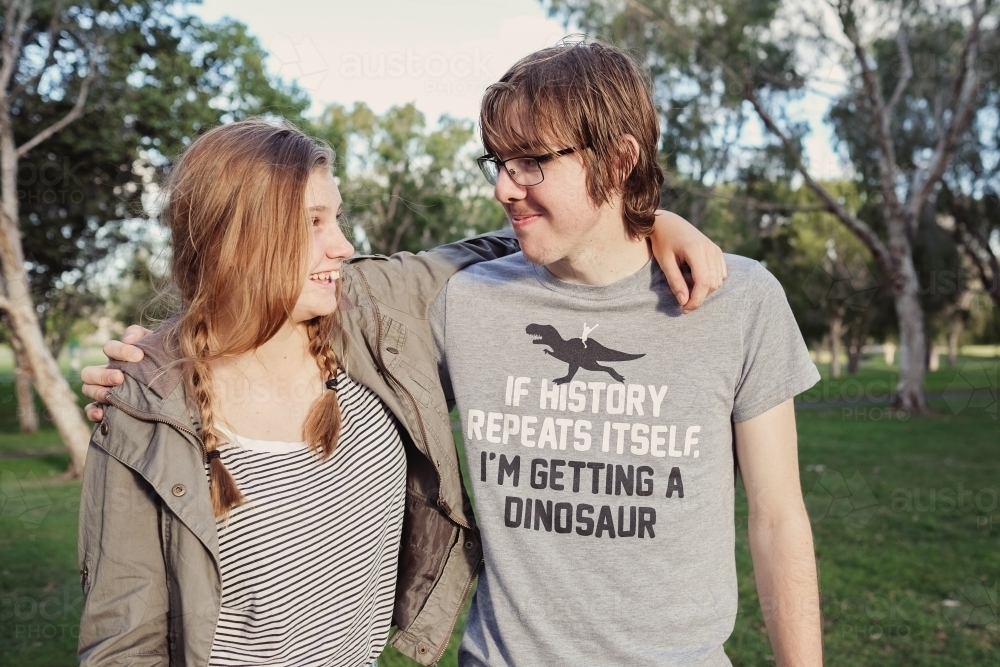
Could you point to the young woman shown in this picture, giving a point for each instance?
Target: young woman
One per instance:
(275, 481)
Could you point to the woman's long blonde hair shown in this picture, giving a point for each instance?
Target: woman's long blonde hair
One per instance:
(235, 205)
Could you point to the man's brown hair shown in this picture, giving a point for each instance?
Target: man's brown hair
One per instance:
(585, 95)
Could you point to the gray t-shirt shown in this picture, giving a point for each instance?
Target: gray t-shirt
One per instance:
(598, 429)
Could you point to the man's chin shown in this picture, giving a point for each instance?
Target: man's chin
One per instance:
(539, 248)
(535, 255)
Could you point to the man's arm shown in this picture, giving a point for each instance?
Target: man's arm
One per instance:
(781, 543)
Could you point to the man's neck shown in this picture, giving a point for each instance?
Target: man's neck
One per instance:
(609, 255)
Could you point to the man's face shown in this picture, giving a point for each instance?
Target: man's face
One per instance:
(556, 219)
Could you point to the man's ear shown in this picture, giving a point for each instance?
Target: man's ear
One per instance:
(629, 156)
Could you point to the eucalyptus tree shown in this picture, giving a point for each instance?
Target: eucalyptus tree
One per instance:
(407, 185)
(726, 68)
(95, 96)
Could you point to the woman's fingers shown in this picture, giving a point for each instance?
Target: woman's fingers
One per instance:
(708, 270)
(675, 279)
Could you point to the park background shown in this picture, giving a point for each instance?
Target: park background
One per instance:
(851, 146)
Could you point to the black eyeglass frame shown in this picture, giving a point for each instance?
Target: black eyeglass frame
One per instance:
(539, 160)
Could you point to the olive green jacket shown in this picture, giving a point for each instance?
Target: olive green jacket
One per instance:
(148, 546)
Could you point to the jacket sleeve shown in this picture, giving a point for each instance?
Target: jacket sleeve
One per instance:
(124, 617)
(422, 276)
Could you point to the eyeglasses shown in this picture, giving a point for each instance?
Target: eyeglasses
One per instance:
(524, 171)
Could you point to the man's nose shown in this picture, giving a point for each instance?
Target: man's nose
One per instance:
(506, 189)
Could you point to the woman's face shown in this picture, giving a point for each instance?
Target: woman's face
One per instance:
(328, 248)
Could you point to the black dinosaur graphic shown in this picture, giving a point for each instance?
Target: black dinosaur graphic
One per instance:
(577, 353)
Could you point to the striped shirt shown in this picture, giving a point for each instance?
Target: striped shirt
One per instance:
(309, 561)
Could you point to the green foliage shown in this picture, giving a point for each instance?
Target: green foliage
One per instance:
(709, 59)
(407, 186)
(163, 76)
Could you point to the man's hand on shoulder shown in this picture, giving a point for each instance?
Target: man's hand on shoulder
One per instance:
(97, 380)
(675, 243)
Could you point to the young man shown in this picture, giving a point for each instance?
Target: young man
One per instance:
(599, 424)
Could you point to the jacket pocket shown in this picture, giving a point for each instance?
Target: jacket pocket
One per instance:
(394, 336)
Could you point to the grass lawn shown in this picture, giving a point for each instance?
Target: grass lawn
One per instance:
(905, 516)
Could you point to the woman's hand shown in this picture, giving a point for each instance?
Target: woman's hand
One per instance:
(675, 243)
(97, 380)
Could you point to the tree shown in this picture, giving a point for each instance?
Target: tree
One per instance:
(828, 275)
(407, 187)
(94, 96)
(976, 228)
(726, 62)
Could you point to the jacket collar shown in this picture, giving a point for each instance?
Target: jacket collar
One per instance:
(173, 455)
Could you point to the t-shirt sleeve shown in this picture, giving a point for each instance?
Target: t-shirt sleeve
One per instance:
(776, 363)
(438, 319)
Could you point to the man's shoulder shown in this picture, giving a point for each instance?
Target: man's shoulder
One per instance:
(745, 277)
(503, 270)
(743, 270)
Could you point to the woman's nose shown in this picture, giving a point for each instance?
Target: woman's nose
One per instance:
(337, 246)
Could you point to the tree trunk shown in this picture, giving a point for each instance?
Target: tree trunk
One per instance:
(912, 340)
(51, 385)
(836, 336)
(27, 416)
(854, 355)
(858, 332)
(889, 352)
(953, 336)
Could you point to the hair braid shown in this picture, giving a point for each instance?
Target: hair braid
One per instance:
(225, 493)
(322, 428)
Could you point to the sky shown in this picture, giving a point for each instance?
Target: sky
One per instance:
(439, 54)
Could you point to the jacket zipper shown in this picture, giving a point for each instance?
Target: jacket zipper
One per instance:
(409, 396)
(454, 621)
(423, 435)
(146, 416)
